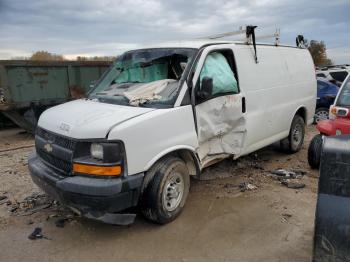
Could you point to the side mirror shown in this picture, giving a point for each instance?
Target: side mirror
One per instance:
(206, 88)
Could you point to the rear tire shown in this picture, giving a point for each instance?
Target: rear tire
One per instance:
(166, 190)
(294, 142)
(314, 151)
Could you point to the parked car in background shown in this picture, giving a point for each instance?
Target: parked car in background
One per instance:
(338, 124)
(326, 93)
(335, 74)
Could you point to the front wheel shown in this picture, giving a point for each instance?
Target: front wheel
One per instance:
(166, 191)
(314, 151)
(294, 142)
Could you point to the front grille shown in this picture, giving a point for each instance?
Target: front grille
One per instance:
(54, 139)
(60, 164)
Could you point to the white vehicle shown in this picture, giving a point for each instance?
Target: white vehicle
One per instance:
(335, 74)
(162, 114)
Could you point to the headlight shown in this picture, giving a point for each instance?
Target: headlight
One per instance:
(99, 158)
(96, 151)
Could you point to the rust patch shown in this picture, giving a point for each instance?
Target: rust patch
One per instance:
(76, 92)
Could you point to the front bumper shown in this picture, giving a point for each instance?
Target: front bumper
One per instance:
(88, 195)
(331, 126)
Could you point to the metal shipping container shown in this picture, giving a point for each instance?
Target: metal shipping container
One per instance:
(29, 87)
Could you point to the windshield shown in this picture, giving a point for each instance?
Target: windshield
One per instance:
(344, 96)
(148, 77)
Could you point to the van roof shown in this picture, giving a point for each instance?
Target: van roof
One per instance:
(198, 43)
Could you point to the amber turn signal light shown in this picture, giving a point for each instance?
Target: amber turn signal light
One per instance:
(97, 170)
(334, 110)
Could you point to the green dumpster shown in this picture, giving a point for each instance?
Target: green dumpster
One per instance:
(27, 88)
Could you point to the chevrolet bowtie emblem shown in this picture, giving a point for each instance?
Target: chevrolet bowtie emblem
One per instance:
(48, 148)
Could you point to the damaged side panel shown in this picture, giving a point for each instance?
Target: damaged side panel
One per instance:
(221, 128)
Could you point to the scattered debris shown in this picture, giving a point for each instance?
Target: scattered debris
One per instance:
(31, 204)
(287, 215)
(36, 234)
(286, 177)
(13, 209)
(247, 186)
(288, 174)
(293, 185)
(3, 197)
(51, 216)
(4, 200)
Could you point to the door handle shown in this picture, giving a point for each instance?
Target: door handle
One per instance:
(243, 105)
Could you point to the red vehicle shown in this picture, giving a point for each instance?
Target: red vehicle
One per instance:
(338, 124)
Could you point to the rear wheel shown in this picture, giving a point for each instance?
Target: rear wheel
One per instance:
(166, 191)
(294, 142)
(321, 114)
(314, 151)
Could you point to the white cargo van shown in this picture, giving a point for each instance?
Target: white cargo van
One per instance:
(162, 114)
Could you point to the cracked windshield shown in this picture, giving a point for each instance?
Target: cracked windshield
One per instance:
(148, 78)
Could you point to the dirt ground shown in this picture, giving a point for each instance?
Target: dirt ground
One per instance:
(219, 222)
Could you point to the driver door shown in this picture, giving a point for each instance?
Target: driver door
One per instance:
(219, 106)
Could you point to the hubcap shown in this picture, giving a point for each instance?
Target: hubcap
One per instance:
(297, 134)
(321, 115)
(173, 192)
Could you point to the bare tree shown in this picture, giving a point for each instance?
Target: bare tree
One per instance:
(46, 56)
(318, 52)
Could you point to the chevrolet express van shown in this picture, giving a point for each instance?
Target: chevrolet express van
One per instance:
(162, 114)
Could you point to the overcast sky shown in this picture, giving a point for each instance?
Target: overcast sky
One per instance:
(108, 27)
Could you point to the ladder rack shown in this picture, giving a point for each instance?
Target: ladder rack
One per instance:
(248, 38)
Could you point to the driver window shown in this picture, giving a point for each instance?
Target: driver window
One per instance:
(217, 67)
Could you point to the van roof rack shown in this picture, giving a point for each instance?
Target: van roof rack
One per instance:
(250, 37)
(247, 31)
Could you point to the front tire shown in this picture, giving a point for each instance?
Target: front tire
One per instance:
(314, 151)
(166, 191)
(294, 142)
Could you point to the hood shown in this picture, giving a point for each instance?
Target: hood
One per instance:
(84, 119)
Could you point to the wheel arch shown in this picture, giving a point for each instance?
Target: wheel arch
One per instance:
(301, 111)
(186, 153)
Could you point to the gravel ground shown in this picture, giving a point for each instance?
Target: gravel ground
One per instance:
(267, 222)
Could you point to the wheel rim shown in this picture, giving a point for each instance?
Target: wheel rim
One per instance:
(297, 134)
(173, 192)
(321, 115)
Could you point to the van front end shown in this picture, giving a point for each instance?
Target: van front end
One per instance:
(90, 177)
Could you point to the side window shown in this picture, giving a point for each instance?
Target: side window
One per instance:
(339, 76)
(219, 66)
(321, 75)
